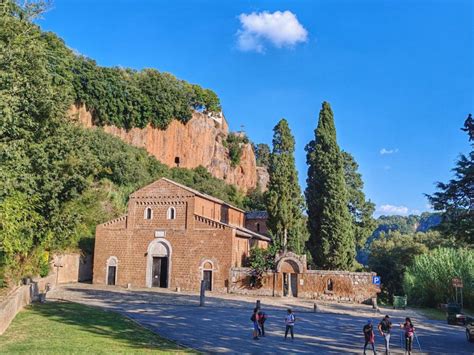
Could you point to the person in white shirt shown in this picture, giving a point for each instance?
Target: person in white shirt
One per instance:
(290, 323)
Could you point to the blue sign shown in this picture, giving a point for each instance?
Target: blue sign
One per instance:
(376, 280)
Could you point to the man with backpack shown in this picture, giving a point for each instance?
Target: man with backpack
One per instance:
(261, 318)
(254, 319)
(384, 328)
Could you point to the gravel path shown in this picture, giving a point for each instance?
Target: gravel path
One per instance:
(223, 325)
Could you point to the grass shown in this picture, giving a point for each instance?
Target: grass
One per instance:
(439, 314)
(433, 313)
(70, 328)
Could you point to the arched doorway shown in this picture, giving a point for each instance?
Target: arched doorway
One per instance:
(289, 267)
(158, 264)
(207, 274)
(112, 270)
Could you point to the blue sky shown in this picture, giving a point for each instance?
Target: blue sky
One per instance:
(398, 74)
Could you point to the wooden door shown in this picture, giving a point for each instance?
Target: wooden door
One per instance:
(111, 275)
(207, 277)
(160, 272)
(294, 284)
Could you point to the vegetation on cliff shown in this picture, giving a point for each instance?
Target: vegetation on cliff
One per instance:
(60, 180)
(234, 143)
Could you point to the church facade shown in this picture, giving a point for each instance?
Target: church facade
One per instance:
(173, 237)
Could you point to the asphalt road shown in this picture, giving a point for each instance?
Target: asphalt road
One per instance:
(223, 325)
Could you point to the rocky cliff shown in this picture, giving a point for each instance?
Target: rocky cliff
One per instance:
(198, 142)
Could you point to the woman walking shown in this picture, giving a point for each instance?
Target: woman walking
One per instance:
(409, 334)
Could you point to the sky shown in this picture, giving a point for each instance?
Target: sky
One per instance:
(397, 73)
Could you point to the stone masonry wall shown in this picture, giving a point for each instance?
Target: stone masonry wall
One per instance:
(347, 286)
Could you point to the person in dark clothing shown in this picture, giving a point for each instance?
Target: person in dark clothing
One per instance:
(254, 319)
(261, 318)
(369, 336)
(384, 328)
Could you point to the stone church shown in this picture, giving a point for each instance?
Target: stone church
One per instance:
(173, 237)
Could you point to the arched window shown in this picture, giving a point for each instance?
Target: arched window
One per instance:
(171, 214)
(148, 213)
(258, 227)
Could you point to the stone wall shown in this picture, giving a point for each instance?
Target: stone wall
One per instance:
(21, 297)
(313, 284)
(72, 267)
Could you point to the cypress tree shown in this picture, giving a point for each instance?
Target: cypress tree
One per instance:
(285, 203)
(331, 242)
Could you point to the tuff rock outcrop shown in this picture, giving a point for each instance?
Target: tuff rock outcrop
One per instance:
(198, 142)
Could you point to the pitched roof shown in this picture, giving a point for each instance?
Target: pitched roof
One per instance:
(256, 215)
(200, 194)
(251, 234)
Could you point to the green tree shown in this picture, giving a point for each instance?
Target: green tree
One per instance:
(455, 199)
(361, 210)
(331, 242)
(393, 252)
(285, 203)
(262, 154)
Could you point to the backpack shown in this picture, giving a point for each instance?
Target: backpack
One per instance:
(253, 318)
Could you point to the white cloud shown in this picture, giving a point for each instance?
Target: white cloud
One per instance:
(393, 210)
(281, 29)
(384, 151)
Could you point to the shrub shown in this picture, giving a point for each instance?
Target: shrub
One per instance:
(428, 281)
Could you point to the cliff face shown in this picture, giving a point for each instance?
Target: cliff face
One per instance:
(198, 142)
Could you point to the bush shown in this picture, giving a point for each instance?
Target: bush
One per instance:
(429, 280)
(234, 144)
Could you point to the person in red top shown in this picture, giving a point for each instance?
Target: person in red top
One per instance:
(369, 336)
(409, 333)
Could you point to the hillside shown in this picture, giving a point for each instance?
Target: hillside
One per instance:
(59, 180)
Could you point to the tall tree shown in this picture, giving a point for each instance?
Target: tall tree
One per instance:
(361, 209)
(455, 199)
(285, 202)
(331, 242)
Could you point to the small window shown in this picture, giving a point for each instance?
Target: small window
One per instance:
(258, 227)
(148, 213)
(330, 285)
(171, 214)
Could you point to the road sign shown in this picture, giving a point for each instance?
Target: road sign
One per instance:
(376, 280)
(457, 282)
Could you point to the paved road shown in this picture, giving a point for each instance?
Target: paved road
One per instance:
(224, 324)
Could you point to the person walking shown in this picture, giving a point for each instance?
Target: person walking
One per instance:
(409, 334)
(290, 323)
(254, 319)
(384, 328)
(261, 318)
(369, 336)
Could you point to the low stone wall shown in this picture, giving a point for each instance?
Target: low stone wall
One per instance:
(341, 286)
(72, 267)
(21, 297)
(66, 268)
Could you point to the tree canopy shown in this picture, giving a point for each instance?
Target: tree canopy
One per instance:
(455, 199)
